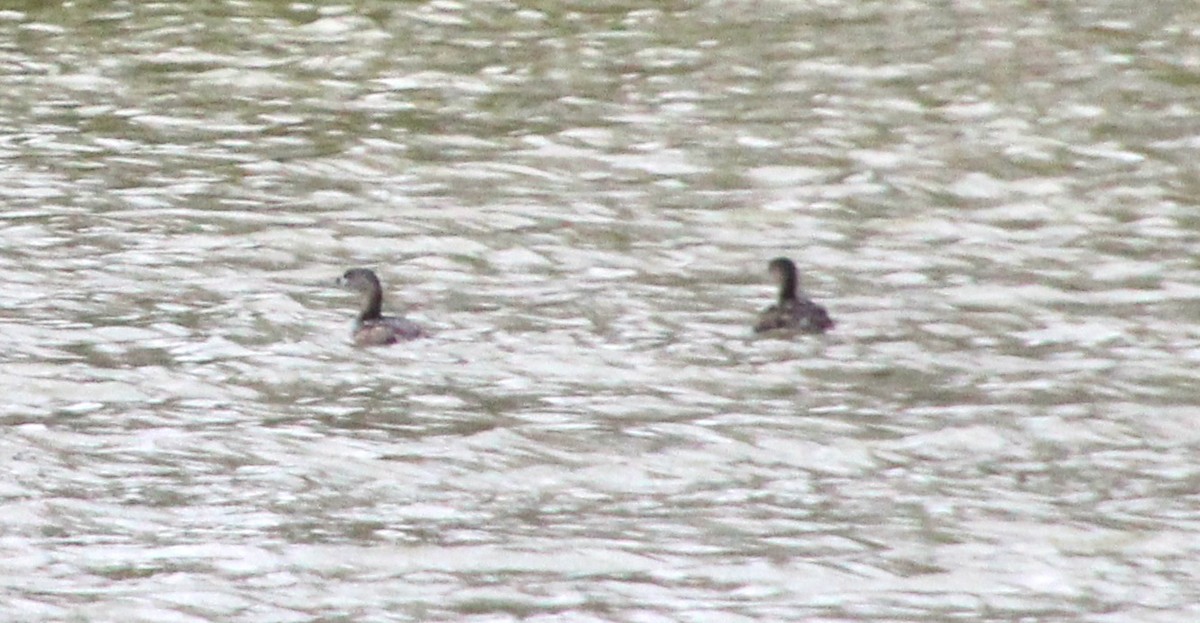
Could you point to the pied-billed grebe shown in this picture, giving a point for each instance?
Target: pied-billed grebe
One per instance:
(794, 311)
(372, 328)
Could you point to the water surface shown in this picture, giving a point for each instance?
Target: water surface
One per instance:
(996, 202)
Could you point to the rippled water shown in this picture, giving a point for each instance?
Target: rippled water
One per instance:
(996, 201)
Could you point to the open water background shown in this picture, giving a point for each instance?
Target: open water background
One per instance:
(996, 200)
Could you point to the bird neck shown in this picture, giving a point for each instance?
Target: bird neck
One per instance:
(787, 287)
(373, 310)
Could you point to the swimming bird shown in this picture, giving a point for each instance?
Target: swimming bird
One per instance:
(794, 311)
(372, 328)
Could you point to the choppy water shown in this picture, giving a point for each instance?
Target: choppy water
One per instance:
(996, 201)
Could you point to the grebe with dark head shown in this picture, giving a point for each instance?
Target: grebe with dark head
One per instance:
(794, 311)
(372, 328)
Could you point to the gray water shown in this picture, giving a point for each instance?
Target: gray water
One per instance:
(997, 201)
